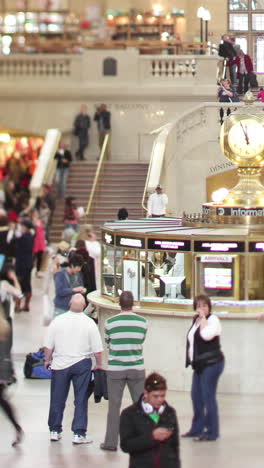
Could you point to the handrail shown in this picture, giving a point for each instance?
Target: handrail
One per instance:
(97, 174)
(46, 167)
(159, 141)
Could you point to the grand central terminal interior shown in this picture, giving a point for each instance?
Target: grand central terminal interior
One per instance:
(155, 66)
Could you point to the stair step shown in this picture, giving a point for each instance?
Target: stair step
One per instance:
(121, 185)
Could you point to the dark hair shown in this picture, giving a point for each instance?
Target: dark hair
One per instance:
(202, 298)
(80, 244)
(126, 300)
(69, 200)
(155, 382)
(122, 214)
(76, 260)
(5, 270)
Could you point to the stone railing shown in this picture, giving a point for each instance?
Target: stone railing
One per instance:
(185, 69)
(35, 67)
(87, 69)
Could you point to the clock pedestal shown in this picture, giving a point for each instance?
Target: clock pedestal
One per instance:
(249, 191)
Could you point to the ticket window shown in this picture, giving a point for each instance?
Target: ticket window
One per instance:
(217, 276)
(169, 274)
(108, 271)
(127, 271)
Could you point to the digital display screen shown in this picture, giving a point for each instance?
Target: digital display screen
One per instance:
(256, 247)
(218, 278)
(219, 246)
(134, 243)
(167, 244)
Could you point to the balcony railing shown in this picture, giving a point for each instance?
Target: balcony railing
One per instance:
(87, 69)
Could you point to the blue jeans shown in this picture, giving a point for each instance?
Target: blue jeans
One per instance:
(61, 180)
(79, 374)
(205, 420)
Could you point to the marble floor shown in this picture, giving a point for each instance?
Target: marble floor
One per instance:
(241, 444)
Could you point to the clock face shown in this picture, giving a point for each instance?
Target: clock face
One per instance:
(246, 138)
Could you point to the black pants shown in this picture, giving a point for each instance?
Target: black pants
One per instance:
(7, 408)
(243, 83)
(80, 152)
(24, 278)
(38, 257)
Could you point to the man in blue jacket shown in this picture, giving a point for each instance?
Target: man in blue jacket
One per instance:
(64, 284)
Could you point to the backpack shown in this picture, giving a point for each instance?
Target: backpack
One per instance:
(34, 367)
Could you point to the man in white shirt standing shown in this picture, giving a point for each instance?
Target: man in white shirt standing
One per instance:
(72, 339)
(157, 203)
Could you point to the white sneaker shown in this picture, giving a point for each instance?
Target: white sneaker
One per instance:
(79, 439)
(55, 436)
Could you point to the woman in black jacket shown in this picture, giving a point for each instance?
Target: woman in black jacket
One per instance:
(149, 428)
(7, 375)
(204, 354)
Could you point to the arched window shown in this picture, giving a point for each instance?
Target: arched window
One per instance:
(110, 67)
(246, 24)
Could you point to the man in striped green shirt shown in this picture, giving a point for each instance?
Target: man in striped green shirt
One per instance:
(124, 336)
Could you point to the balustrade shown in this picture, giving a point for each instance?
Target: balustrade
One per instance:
(172, 67)
(24, 66)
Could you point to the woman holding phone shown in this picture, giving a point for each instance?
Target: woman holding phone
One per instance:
(203, 353)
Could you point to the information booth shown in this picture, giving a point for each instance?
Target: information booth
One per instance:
(162, 261)
(165, 262)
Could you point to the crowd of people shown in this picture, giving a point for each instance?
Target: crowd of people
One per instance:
(239, 67)
(148, 429)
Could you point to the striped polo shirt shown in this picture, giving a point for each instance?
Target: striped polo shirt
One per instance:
(124, 336)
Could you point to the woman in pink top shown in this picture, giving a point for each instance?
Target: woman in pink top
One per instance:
(39, 245)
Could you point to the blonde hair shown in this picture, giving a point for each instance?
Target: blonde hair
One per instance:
(85, 230)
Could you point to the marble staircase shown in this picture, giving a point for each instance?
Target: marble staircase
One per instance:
(121, 185)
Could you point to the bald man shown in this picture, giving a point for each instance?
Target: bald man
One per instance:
(72, 339)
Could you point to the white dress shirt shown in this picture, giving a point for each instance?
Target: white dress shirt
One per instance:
(157, 203)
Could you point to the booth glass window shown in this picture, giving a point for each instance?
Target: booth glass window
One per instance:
(218, 276)
(168, 275)
(255, 280)
(108, 271)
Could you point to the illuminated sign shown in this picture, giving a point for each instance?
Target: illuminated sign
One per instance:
(219, 246)
(108, 238)
(240, 212)
(216, 259)
(256, 247)
(134, 243)
(167, 244)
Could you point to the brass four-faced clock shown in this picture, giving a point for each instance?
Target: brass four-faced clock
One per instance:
(242, 141)
(242, 138)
